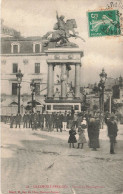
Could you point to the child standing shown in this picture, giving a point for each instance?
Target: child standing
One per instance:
(81, 139)
(72, 138)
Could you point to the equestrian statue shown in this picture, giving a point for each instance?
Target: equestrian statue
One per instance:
(62, 32)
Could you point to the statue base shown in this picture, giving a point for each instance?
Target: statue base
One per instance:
(64, 57)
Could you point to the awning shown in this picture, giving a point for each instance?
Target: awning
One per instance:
(14, 103)
(34, 102)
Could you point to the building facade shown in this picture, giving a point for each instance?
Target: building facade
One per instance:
(26, 54)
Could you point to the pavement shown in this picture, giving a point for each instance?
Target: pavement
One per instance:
(42, 162)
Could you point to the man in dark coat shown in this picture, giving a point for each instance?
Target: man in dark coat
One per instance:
(35, 121)
(25, 120)
(30, 119)
(18, 119)
(69, 120)
(54, 120)
(60, 121)
(93, 132)
(38, 120)
(50, 122)
(75, 120)
(112, 132)
(72, 112)
(57, 121)
(90, 122)
(11, 121)
(80, 118)
(47, 119)
(42, 121)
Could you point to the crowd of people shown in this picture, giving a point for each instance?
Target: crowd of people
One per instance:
(44, 121)
(93, 125)
(75, 123)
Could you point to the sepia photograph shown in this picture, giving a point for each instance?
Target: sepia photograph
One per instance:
(61, 97)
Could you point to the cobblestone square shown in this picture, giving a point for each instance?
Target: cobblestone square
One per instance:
(32, 160)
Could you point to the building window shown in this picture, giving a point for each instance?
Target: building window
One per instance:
(37, 67)
(15, 47)
(76, 107)
(37, 47)
(15, 67)
(14, 88)
(48, 107)
(37, 88)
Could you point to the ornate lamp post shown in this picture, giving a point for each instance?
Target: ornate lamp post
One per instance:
(101, 85)
(32, 87)
(84, 101)
(19, 76)
(84, 98)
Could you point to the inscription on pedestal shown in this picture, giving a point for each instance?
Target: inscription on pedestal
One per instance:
(62, 107)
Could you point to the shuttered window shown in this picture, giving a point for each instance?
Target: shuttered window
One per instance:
(37, 48)
(37, 67)
(15, 48)
(15, 67)
(14, 88)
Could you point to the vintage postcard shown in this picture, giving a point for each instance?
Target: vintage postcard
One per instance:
(61, 96)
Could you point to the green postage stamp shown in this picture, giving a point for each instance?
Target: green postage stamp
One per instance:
(104, 23)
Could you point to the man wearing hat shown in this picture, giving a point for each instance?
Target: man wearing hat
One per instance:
(112, 132)
(64, 121)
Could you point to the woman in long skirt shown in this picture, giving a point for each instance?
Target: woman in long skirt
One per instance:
(81, 139)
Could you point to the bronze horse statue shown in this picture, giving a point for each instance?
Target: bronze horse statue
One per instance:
(61, 36)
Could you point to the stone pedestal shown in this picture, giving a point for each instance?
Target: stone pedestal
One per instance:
(63, 81)
(77, 80)
(65, 57)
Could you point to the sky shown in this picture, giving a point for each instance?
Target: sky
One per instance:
(37, 17)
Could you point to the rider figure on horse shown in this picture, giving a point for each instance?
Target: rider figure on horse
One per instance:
(62, 32)
(61, 23)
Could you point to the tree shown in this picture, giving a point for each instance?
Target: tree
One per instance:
(95, 89)
(116, 91)
(85, 106)
(114, 106)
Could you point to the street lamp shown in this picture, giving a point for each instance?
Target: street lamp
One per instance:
(19, 76)
(32, 87)
(84, 99)
(101, 85)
